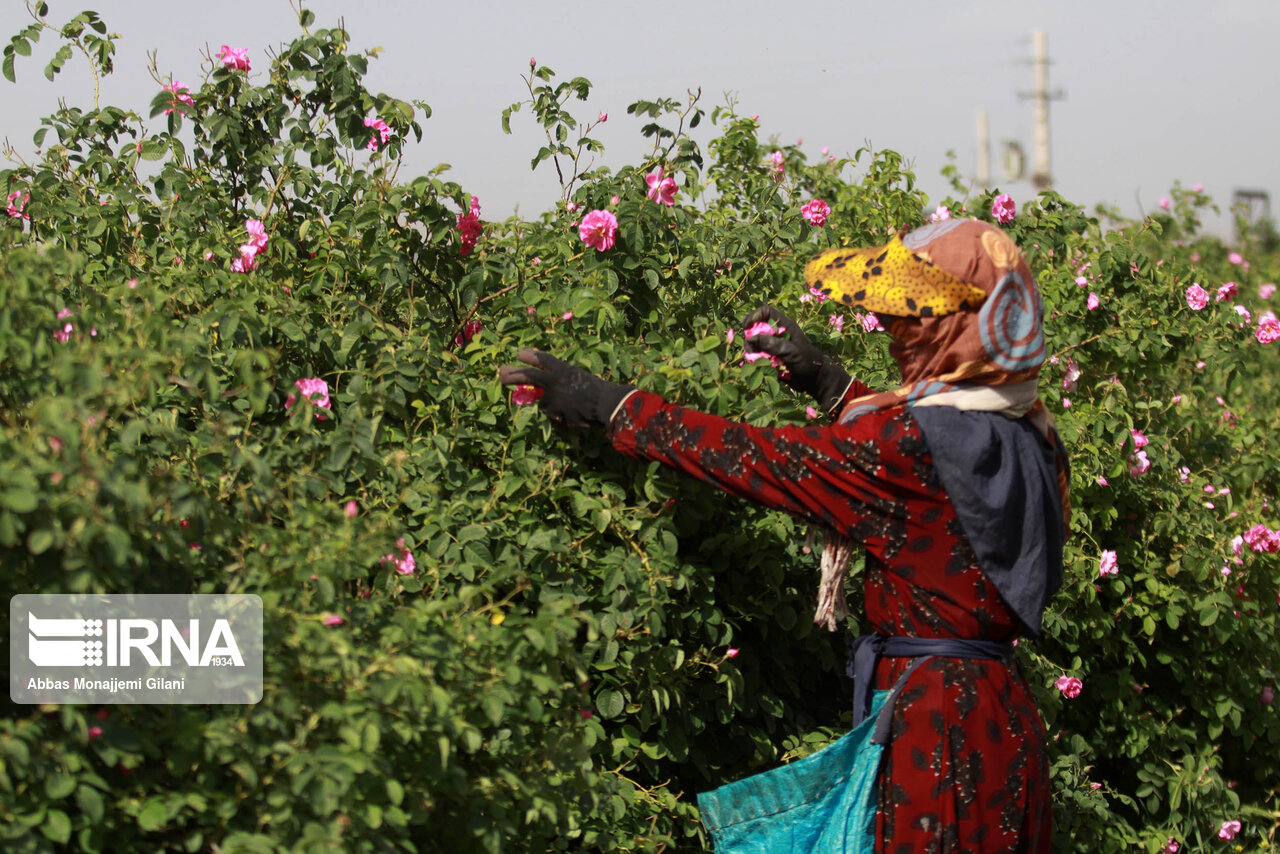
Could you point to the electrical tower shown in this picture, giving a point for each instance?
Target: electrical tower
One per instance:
(1042, 176)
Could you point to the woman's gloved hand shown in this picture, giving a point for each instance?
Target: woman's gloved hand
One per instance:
(571, 395)
(809, 370)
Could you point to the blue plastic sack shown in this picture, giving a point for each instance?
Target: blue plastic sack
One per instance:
(824, 803)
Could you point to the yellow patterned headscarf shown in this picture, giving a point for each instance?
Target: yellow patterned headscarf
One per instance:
(892, 280)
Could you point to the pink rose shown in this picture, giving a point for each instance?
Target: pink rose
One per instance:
(234, 58)
(942, 212)
(1003, 208)
(469, 330)
(837, 320)
(1070, 686)
(332, 620)
(1139, 464)
(381, 132)
(1139, 438)
(731, 653)
(314, 390)
(523, 395)
(1170, 847)
(599, 230)
(1092, 302)
(779, 161)
(351, 509)
(816, 211)
(1108, 565)
(1265, 291)
(469, 228)
(1229, 830)
(18, 203)
(180, 96)
(1226, 291)
(1197, 297)
(1268, 330)
(661, 190)
(404, 563)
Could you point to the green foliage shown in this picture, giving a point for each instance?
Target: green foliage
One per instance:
(555, 673)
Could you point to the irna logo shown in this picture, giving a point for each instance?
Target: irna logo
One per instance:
(60, 642)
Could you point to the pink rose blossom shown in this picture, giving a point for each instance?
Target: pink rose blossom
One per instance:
(314, 390)
(1107, 564)
(1170, 847)
(817, 294)
(731, 653)
(728, 336)
(1072, 375)
(533, 63)
(1092, 302)
(1139, 464)
(1003, 208)
(661, 190)
(779, 161)
(1101, 481)
(599, 230)
(614, 200)
(1197, 297)
(1139, 439)
(469, 330)
(381, 133)
(332, 620)
(1198, 188)
(1235, 258)
(1070, 686)
(816, 211)
(1229, 830)
(763, 328)
(1266, 291)
(180, 96)
(1226, 291)
(871, 323)
(469, 228)
(811, 412)
(604, 117)
(942, 212)
(837, 320)
(1066, 403)
(568, 315)
(1268, 330)
(404, 564)
(523, 395)
(350, 509)
(17, 205)
(1260, 538)
(234, 58)
(1164, 202)
(250, 251)
(1081, 281)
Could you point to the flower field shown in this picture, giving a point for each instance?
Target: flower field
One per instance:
(239, 353)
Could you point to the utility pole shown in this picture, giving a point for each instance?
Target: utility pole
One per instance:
(984, 151)
(1042, 176)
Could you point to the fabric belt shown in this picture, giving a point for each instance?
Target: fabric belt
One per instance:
(865, 652)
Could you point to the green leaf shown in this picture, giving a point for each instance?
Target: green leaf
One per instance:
(610, 703)
(57, 826)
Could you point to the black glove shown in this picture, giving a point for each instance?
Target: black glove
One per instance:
(808, 369)
(571, 395)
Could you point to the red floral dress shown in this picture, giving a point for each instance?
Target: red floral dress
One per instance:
(966, 768)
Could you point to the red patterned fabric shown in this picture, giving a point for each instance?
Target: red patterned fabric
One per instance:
(966, 770)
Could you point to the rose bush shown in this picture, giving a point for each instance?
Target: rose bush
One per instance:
(486, 634)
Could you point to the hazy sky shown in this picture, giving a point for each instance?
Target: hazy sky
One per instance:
(1154, 91)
